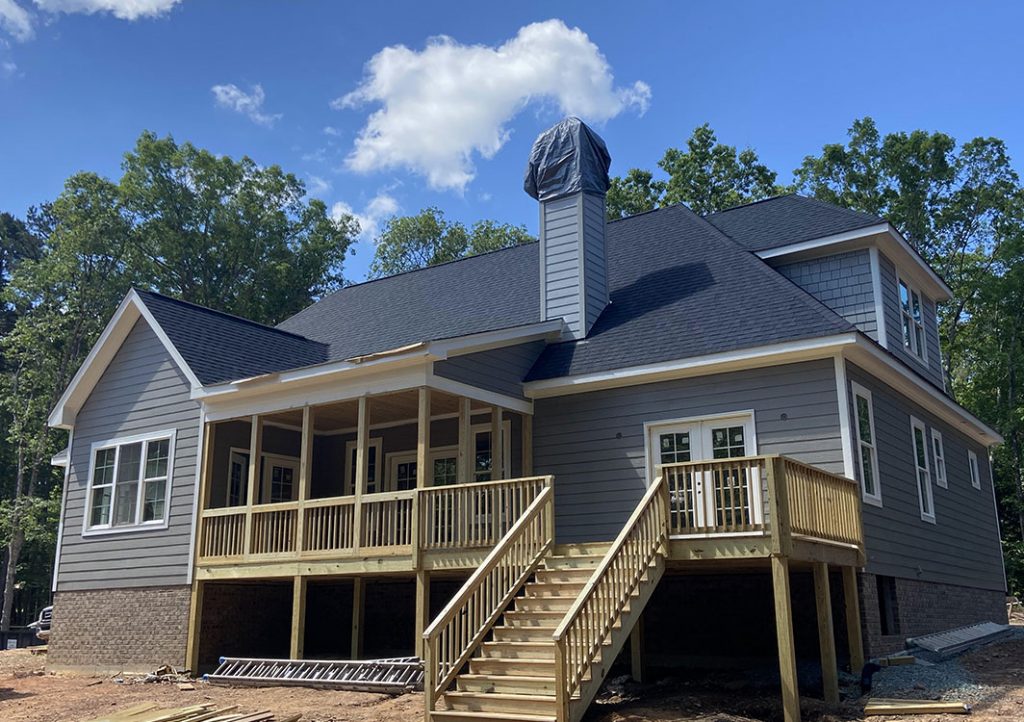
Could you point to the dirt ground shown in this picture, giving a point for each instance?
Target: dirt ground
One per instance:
(29, 693)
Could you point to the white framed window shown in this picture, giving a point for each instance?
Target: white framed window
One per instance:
(972, 462)
(129, 483)
(402, 468)
(939, 454)
(375, 449)
(919, 440)
(912, 320)
(279, 480)
(867, 449)
(481, 450)
(238, 477)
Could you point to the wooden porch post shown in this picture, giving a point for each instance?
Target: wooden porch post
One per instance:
(423, 475)
(358, 599)
(255, 467)
(466, 462)
(298, 617)
(422, 609)
(784, 635)
(636, 651)
(854, 633)
(362, 469)
(527, 445)
(195, 615)
(195, 625)
(826, 637)
(305, 474)
(497, 447)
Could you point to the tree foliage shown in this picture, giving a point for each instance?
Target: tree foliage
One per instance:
(428, 238)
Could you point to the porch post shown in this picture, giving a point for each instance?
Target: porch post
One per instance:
(298, 617)
(362, 469)
(854, 634)
(527, 444)
(784, 636)
(195, 626)
(465, 471)
(358, 597)
(423, 475)
(497, 447)
(826, 637)
(636, 650)
(422, 609)
(255, 457)
(305, 472)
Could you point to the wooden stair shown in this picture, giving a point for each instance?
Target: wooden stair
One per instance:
(511, 676)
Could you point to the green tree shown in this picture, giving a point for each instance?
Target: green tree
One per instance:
(637, 192)
(428, 238)
(17, 243)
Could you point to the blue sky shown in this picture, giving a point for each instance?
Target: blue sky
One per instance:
(80, 79)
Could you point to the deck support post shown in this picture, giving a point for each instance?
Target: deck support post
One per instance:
(466, 461)
(358, 599)
(636, 651)
(422, 610)
(195, 624)
(298, 640)
(255, 457)
(497, 447)
(305, 473)
(424, 473)
(784, 636)
(362, 469)
(826, 636)
(851, 601)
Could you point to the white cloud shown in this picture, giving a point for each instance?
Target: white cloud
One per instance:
(317, 186)
(123, 9)
(447, 102)
(15, 20)
(232, 97)
(7, 68)
(330, 130)
(379, 209)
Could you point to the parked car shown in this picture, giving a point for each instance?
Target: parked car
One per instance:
(42, 625)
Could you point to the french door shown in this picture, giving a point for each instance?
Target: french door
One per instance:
(726, 498)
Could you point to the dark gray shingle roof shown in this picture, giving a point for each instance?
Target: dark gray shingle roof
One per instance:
(787, 219)
(221, 347)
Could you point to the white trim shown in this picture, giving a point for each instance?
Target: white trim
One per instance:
(814, 244)
(132, 308)
(919, 354)
(493, 398)
(106, 529)
(247, 453)
(348, 480)
(653, 424)
(488, 340)
(939, 454)
(63, 512)
(857, 390)
(995, 515)
(915, 425)
(974, 469)
(196, 493)
(266, 482)
(506, 447)
(845, 434)
(770, 355)
(399, 457)
(876, 288)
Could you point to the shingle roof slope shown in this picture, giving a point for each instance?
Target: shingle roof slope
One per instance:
(679, 289)
(221, 347)
(483, 293)
(787, 219)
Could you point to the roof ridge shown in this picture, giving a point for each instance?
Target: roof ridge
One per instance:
(754, 203)
(232, 316)
(652, 210)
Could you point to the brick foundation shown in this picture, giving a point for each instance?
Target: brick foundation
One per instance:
(129, 630)
(923, 608)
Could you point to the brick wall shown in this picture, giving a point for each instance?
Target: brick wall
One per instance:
(120, 629)
(923, 608)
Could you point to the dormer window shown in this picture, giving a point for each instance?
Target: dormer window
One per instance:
(912, 316)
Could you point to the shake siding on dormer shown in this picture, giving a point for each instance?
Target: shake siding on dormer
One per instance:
(842, 282)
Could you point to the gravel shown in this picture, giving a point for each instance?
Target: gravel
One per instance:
(947, 681)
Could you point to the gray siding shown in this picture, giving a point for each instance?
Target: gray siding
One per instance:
(894, 327)
(595, 280)
(500, 370)
(842, 282)
(141, 391)
(962, 547)
(594, 442)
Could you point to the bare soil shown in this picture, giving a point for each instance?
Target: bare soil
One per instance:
(30, 693)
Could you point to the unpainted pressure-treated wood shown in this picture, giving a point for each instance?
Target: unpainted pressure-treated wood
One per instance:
(826, 637)
(784, 637)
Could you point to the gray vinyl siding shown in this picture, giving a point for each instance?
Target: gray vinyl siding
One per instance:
(843, 283)
(894, 326)
(595, 283)
(141, 391)
(594, 442)
(962, 547)
(500, 370)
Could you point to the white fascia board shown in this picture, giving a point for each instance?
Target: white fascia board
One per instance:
(770, 355)
(523, 406)
(474, 343)
(887, 237)
(867, 354)
(102, 353)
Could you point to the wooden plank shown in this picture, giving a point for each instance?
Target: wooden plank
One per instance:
(899, 707)
(497, 447)
(527, 440)
(195, 624)
(636, 651)
(358, 600)
(362, 466)
(854, 633)
(422, 609)
(423, 439)
(464, 473)
(298, 634)
(826, 636)
(255, 456)
(784, 636)
(305, 476)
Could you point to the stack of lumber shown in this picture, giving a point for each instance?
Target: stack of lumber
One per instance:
(149, 712)
(913, 706)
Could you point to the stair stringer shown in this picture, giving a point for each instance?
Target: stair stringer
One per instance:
(619, 636)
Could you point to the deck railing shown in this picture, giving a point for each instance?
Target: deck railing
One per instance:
(329, 525)
(273, 528)
(469, 516)
(454, 635)
(223, 533)
(387, 519)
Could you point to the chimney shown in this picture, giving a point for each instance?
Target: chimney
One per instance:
(568, 174)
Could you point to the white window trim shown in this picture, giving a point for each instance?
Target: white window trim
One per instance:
(974, 469)
(939, 452)
(919, 354)
(350, 486)
(855, 391)
(506, 447)
(106, 529)
(747, 415)
(265, 480)
(402, 457)
(916, 423)
(227, 487)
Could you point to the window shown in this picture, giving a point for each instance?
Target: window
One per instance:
(128, 483)
(481, 450)
(912, 317)
(238, 477)
(375, 447)
(867, 452)
(402, 468)
(924, 482)
(972, 462)
(939, 454)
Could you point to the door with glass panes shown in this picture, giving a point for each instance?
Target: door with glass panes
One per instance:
(708, 500)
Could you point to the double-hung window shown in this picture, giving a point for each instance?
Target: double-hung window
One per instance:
(129, 482)
(867, 451)
(924, 483)
(972, 462)
(939, 453)
(912, 320)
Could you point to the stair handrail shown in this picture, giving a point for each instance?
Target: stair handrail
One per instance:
(458, 630)
(591, 619)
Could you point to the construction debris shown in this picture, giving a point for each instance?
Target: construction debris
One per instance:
(167, 673)
(943, 645)
(913, 706)
(149, 712)
(390, 676)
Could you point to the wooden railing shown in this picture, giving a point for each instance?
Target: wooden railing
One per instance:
(222, 533)
(457, 631)
(273, 528)
(591, 620)
(716, 497)
(822, 505)
(329, 525)
(387, 519)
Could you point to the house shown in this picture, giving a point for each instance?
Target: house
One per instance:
(695, 435)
